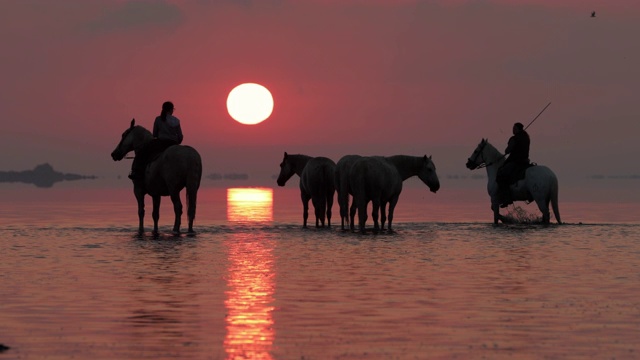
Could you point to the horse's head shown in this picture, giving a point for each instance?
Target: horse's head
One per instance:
(127, 143)
(428, 174)
(286, 170)
(477, 158)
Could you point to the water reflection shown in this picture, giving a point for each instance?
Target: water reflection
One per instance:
(251, 277)
(250, 204)
(164, 295)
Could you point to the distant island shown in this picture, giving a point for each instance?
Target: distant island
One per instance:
(464, 177)
(231, 176)
(601, 177)
(43, 176)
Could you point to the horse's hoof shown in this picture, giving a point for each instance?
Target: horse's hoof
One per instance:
(175, 233)
(191, 233)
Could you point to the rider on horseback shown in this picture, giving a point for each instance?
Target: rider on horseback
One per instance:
(166, 132)
(518, 151)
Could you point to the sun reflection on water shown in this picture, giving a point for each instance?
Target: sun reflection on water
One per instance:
(250, 279)
(249, 204)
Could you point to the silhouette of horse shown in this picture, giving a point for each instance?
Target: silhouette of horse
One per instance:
(343, 168)
(540, 184)
(374, 179)
(316, 183)
(409, 166)
(179, 166)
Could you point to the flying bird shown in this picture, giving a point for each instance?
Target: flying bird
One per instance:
(593, 14)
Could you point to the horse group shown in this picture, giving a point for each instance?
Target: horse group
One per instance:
(375, 179)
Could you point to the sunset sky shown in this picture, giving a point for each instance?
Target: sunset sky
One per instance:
(348, 77)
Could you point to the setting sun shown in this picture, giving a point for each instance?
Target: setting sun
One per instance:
(250, 103)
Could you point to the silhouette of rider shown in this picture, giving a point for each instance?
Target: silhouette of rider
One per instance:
(518, 151)
(166, 132)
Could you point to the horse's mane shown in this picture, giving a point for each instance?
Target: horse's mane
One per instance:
(486, 142)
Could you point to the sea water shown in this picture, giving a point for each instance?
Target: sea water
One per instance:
(77, 282)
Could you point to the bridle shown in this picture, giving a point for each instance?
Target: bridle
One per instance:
(479, 152)
(124, 135)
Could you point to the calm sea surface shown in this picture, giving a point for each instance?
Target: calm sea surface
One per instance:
(252, 284)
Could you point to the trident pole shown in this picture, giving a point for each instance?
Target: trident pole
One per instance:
(540, 113)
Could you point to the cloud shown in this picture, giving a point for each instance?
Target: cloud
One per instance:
(134, 15)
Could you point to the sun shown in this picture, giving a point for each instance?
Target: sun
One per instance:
(250, 103)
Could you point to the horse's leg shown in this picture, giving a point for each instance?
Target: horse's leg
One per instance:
(496, 213)
(155, 213)
(375, 208)
(140, 200)
(543, 205)
(554, 205)
(322, 207)
(352, 215)
(362, 214)
(192, 196)
(318, 207)
(177, 210)
(383, 214)
(343, 202)
(392, 209)
(329, 206)
(305, 208)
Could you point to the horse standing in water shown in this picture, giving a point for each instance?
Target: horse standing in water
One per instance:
(409, 166)
(343, 170)
(540, 184)
(377, 180)
(178, 167)
(316, 184)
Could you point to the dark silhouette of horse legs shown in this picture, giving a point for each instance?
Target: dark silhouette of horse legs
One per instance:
(329, 201)
(155, 213)
(305, 209)
(177, 209)
(319, 206)
(375, 210)
(392, 205)
(139, 193)
(192, 195)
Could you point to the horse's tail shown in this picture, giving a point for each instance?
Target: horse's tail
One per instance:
(554, 199)
(325, 186)
(194, 175)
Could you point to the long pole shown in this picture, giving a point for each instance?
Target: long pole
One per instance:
(534, 119)
(540, 113)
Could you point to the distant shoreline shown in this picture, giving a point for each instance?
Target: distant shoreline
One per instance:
(41, 176)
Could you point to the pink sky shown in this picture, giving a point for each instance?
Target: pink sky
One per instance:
(363, 77)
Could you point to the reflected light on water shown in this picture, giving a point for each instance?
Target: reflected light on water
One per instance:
(249, 204)
(250, 279)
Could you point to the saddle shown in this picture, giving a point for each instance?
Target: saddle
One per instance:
(157, 150)
(520, 172)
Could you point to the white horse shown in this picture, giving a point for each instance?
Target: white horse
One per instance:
(316, 183)
(178, 167)
(540, 184)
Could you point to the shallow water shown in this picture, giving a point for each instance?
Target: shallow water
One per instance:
(252, 284)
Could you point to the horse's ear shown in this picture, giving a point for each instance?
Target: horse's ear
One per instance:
(133, 122)
(285, 154)
(429, 157)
